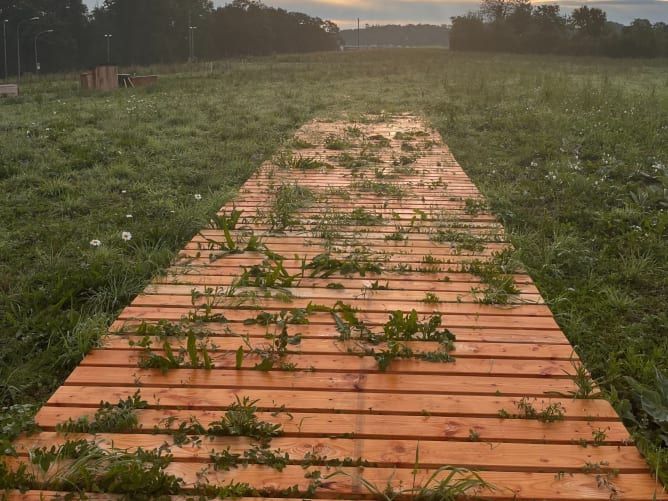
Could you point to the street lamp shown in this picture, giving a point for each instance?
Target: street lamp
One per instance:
(18, 45)
(37, 60)
(191, 49)
(108, 37)
(4, 42)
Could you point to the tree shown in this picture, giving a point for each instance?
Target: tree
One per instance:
(547, 18)
(548, 29)
(248, 27)
(468, 32)
(661, 35)
(589, 21)
(148, 31)
(498, 11)
(639, 39)
(520, 17)
(58, 50)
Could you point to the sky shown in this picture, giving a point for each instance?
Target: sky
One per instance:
(345, 12)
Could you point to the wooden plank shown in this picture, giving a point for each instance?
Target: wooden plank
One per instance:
(390, 382)
(383, 453)
(220, 268)
(371, 305)
(353, 362)
(312, 330)
(319, 346)
(388, 426)
(508, 486)
(471, 320)
(332, 401)
(458, 292)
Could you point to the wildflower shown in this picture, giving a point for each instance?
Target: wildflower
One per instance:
(95, 243)
(126, 235)
(123, 192)
(198, 196)
(129, 216)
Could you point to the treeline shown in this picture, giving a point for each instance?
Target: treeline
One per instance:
(519, 26)
(393, 35)
(128, 32)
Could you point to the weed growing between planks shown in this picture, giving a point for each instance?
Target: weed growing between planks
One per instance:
(397, 332)
(80, 466)
(245, 241)
(118, 418)
(526, 410)
(496, 276)
(289, 198)
(447, 483)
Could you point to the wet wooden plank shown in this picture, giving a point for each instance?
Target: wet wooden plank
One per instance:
(385, 453)
(386, 426)
(331, 401)
(462, 349)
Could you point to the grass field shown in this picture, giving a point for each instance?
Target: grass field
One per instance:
(572, 155)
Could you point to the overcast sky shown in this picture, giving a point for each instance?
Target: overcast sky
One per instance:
(345, 12)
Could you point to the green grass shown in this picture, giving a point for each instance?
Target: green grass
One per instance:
(570, 153)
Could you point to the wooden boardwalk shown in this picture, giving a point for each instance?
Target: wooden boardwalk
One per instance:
(358, 299)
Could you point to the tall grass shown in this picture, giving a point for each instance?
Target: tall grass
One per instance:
(571, 153)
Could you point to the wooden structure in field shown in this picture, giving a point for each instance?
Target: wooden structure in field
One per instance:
(101, 78)
(11, 90)
(324, 297)
(108, 78)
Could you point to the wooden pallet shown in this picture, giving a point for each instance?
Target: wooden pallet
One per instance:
(333, 402)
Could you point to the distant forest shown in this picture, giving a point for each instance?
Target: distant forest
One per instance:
(412, 35)
(138, 32)
(519, 26)
(128, 32)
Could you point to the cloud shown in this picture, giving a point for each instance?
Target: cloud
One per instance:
(346, 12)
(623, 11)
(372, 12)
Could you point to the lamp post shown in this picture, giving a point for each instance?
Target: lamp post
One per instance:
(18, 45)
(4, 43)
(191, 48)
(108, 37)
(36, 59)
